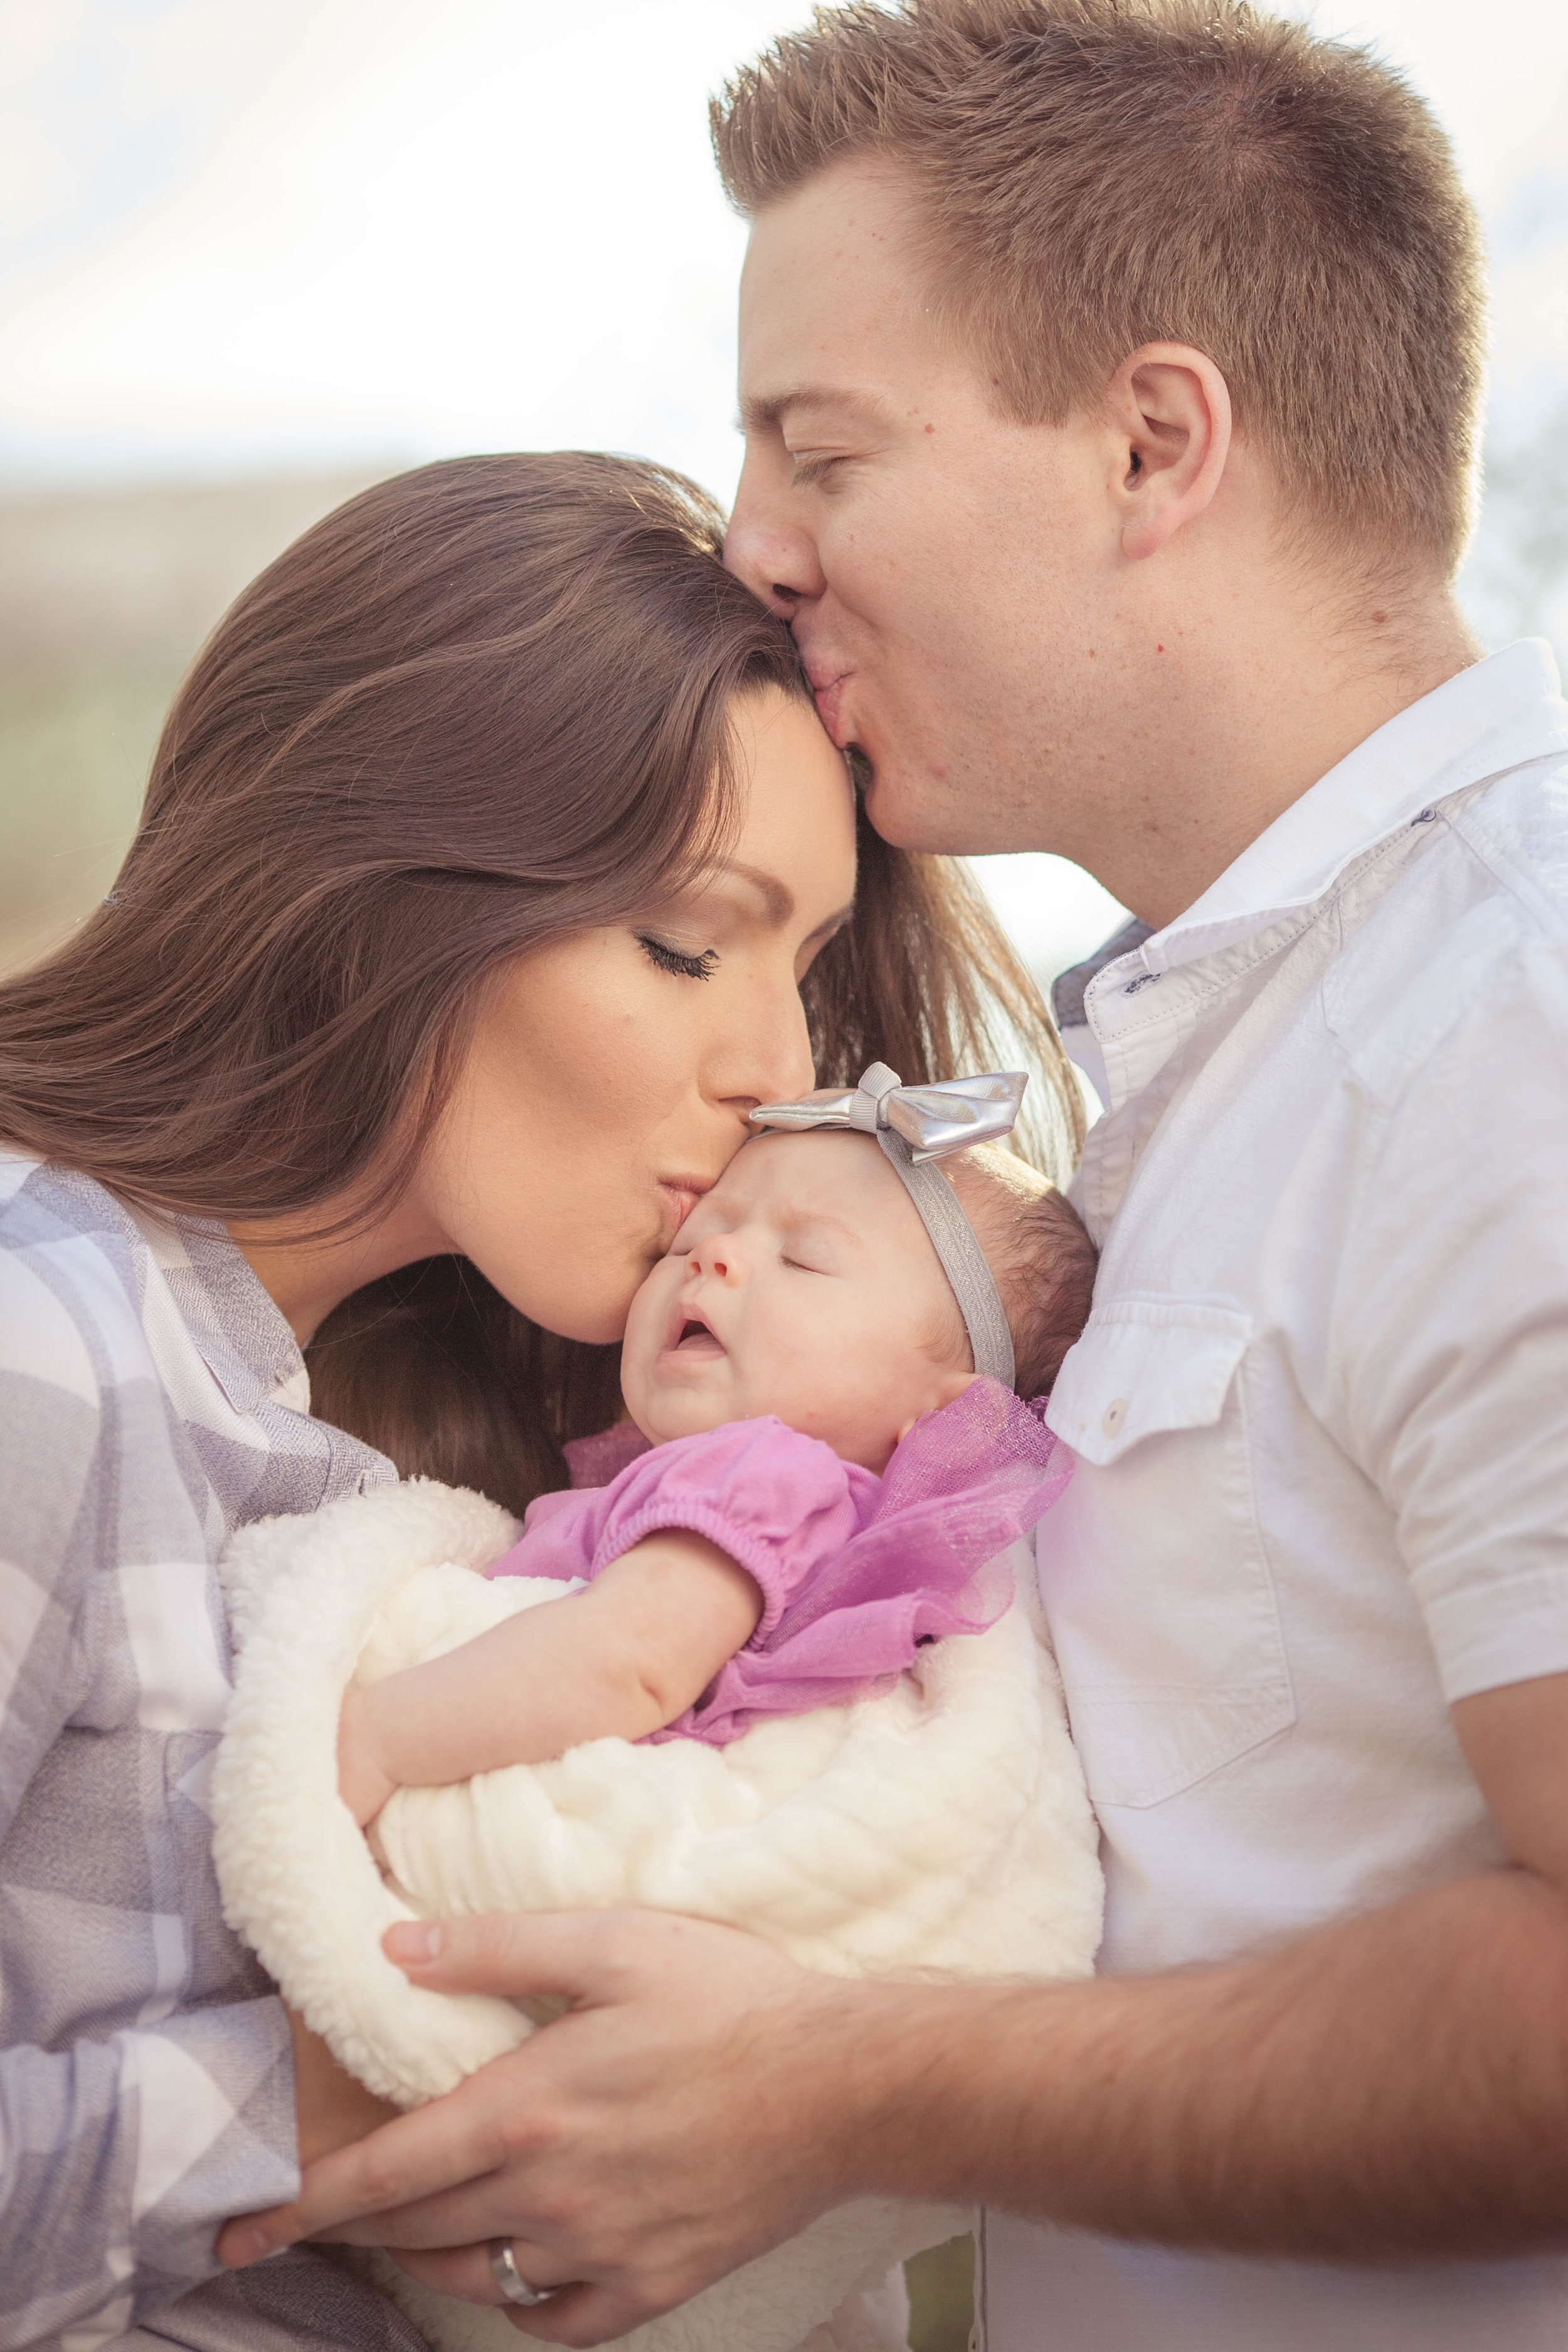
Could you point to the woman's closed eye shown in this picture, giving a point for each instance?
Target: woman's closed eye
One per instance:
(677, 959)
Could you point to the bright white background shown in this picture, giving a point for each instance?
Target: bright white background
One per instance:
(243, 237)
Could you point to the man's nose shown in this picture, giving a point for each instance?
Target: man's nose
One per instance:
(767, 548)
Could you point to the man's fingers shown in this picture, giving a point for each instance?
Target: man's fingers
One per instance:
(582, 2315)
(578, 2311)
(417, 2155)
(510, 1952)
(465, 2271)
(491, 2207)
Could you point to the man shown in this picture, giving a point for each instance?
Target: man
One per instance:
(1110, 370)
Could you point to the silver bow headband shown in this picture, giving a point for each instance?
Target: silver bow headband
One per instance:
(915, 1125)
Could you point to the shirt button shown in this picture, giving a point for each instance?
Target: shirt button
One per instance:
(1115, 1413)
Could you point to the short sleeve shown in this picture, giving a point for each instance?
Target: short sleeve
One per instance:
(1451, 1326)
(780, 1504)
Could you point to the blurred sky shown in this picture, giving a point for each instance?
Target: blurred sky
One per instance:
(240, 235)
(237, 237)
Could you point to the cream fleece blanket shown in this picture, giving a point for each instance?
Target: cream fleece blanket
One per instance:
(937, 1831)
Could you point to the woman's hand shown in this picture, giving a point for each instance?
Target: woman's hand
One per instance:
(689, 2110)
(331, 2109)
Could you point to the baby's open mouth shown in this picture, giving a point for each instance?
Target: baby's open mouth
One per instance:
(695, 1338)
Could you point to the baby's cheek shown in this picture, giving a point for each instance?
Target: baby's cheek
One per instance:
(638, 1351)
(836, 1387)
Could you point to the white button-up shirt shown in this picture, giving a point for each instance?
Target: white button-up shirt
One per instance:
(1319, 1408)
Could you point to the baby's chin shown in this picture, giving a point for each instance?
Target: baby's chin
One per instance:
(667, 1410)
(664, 1415)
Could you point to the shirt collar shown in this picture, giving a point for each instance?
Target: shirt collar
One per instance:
(1502, 713)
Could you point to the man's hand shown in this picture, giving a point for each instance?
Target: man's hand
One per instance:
(1386, 2089)
(678, 2120)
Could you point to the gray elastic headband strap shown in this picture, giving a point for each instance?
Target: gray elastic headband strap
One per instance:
(963, 1259)
(916, 1126)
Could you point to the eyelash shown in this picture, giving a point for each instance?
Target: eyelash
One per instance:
(810, 471)
(668, 959)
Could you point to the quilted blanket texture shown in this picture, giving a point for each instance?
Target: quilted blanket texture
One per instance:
(938, 1830)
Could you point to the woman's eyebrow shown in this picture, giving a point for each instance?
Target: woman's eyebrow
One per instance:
(777, 899)
(775, 895)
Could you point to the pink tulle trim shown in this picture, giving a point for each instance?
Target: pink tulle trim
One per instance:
(961, 1487)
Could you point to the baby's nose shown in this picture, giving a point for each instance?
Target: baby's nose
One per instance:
(718, 1257)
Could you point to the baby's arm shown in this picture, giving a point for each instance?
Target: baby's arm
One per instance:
(625, 1656)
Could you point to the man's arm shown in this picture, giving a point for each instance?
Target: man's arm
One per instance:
(1388, 2088)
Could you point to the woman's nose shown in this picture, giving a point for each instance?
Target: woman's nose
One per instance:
(767, 548)
(772, 1062)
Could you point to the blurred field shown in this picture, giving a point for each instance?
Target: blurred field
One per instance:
(103, 600)
(942, 2297)
(105, 597)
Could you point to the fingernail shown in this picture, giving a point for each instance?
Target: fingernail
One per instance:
(243, 2246)
(413, 1942)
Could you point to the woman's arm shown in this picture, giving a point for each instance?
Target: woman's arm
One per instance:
(331, 2110)
(121, 2151)
(623, 1657)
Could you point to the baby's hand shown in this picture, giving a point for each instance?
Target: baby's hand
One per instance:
(363, 1784)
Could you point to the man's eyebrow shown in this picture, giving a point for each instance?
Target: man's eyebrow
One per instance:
(765, 415)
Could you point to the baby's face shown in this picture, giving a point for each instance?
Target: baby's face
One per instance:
(802, 1285)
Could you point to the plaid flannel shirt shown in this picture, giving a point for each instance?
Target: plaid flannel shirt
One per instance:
(152, 1399)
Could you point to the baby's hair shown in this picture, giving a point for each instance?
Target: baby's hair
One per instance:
(1041, 1258)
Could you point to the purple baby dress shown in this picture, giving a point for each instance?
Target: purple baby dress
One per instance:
(856, 1570)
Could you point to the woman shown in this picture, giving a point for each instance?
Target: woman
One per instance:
(494, 865)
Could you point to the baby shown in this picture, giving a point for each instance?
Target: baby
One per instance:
(827, 1450)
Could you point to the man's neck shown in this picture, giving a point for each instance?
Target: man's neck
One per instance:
(1247, 743)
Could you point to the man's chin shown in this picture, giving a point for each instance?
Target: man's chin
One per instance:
(908, 812)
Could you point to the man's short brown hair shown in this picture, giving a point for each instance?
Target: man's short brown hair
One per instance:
(1097, 174)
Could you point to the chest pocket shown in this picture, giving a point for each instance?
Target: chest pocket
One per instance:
(1152, 1568)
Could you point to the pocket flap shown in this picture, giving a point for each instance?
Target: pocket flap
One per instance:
(1144, 1365)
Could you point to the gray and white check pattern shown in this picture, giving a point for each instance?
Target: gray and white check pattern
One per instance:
(152, 1399)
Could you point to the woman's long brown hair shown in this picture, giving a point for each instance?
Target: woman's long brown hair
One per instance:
(482, 704)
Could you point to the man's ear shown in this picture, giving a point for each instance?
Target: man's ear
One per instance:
(1169, 408)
